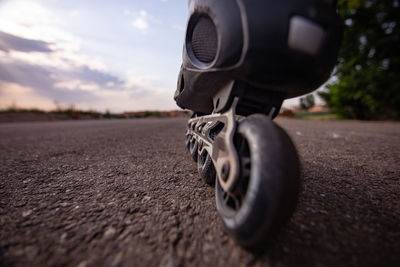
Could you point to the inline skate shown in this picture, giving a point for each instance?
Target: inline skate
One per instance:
(241, 60)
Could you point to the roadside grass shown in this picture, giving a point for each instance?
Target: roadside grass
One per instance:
(66, 112)
(21, 110)
(71, 113)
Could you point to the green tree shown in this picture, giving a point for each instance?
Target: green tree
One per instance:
(367, 84)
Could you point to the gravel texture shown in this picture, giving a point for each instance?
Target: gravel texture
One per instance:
(126, 193)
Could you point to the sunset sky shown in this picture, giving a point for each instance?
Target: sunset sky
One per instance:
(120, 55)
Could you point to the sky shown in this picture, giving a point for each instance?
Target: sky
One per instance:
(115, 55)
(100, 55)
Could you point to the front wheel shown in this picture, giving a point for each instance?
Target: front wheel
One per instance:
(266, 193)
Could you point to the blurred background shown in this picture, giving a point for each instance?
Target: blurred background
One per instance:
(124, 56)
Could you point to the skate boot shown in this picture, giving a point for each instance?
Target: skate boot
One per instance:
(241, 60)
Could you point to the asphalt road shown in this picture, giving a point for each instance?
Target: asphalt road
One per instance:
(126, 193)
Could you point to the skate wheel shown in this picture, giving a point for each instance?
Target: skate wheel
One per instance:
(187, 142)
(266, 194)
(193, 149)
(206, 168)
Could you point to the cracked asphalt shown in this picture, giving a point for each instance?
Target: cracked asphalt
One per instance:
(126, 193)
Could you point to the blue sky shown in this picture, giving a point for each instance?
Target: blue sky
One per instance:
(116, 55)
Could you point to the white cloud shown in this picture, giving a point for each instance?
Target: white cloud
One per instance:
(143, 13)
(60, 59)
(137, 93)
(127, 100)
(75, 85)
(135, 79)
(110, 84)
(22, 96)
(140, 23)
(65, 74)
(30, 20)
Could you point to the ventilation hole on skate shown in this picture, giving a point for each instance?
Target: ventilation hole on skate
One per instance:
(182, 85)
(216, 130)
(204, 39)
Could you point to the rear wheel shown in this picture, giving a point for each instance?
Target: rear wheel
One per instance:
(187, 141)
(193, 149)
(206, 168)
(266, 193)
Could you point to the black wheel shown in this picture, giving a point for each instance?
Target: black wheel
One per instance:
(187, 141)
(266, 194)
(206, 168)
(193, 147)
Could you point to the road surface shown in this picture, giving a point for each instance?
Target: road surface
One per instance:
(126, 193)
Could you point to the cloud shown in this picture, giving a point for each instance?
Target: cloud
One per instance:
(31, 20)
(141, 21)
(40, 64)
(143, 13)
(75, 85)
(11, 42)
(15, 94)
(43, 80)
(86, 88)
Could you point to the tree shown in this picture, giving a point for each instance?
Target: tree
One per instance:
(367, 84)
(307, 102)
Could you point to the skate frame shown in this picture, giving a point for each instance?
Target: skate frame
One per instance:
(221, 150)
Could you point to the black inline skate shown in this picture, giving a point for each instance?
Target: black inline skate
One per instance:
(241, 60)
